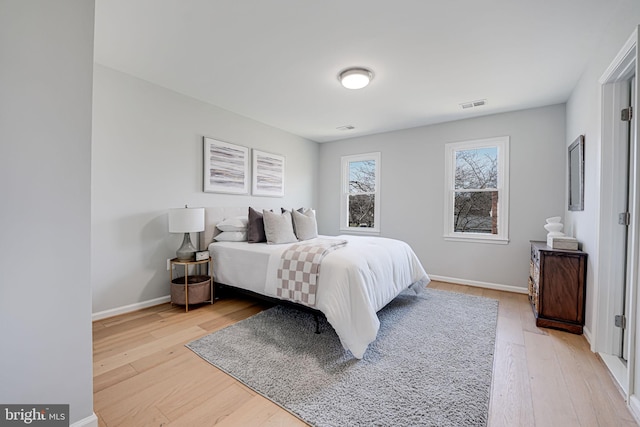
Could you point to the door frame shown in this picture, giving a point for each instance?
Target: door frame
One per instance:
(613, 84)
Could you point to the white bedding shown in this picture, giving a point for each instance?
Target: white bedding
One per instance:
(354, 283)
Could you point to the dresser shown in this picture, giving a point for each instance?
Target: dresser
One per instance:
(557, 280)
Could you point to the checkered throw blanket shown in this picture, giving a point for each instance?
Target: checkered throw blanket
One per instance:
(300, 268)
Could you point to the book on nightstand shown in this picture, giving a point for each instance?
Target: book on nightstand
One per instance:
(563, 242)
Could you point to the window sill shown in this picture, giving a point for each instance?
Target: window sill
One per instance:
(355, 230)
(478, 239)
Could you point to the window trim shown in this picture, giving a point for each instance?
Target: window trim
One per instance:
(502, 143)
(344, 193)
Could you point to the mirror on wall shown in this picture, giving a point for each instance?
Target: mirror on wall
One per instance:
(576, 174)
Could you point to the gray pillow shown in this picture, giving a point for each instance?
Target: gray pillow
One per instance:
(305, 224)
(278, 228)
(255, 228)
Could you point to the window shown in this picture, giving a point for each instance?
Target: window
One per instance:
(477, 190)
(360, 195)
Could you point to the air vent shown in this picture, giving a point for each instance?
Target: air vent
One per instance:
(347, 127)
(471, 104)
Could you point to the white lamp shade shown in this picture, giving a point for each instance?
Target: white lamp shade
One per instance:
(186, 220)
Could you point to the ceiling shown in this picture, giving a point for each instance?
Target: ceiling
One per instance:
(277, 61)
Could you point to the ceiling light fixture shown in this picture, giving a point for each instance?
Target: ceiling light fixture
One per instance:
(355, 78)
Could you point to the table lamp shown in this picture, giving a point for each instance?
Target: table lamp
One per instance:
(186, 220)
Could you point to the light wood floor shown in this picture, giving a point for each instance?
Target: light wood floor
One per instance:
(145, 376)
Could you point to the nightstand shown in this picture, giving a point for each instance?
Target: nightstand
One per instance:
(557, 283)
(199, 286)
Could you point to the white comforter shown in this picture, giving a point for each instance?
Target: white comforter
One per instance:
(358, 280)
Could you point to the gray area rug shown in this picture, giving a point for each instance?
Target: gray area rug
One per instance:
(430, 365)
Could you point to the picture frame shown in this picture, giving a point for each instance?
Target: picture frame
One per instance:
(225, 167)
(268, 174)
(576, 174)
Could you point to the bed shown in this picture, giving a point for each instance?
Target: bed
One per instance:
(358, 278)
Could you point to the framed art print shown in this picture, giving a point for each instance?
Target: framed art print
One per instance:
(226, 167)
(268, 174)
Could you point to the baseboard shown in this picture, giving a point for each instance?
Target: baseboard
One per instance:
(587, 335)
(157, 301)
(129, 308)
(634, 407)
(477, 284)
(90, 421)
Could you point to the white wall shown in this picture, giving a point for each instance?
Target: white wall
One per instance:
(583, 117)
(147, 158)
(412, 190)
(46, 52)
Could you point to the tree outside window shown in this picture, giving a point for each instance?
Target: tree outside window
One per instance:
(360, 196)
(477, 190)
(362, 193)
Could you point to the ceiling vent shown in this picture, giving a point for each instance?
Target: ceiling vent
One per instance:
(471, 104)
(347, 127)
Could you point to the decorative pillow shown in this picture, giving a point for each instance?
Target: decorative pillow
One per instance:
(299, 210)
(231, 236)
(255, 227)
(278, 228)
(238, 223)
(305, 224)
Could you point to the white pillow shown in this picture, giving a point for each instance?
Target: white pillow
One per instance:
(238, 223)
(278, 227)
(305, 224)
(231, 236)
